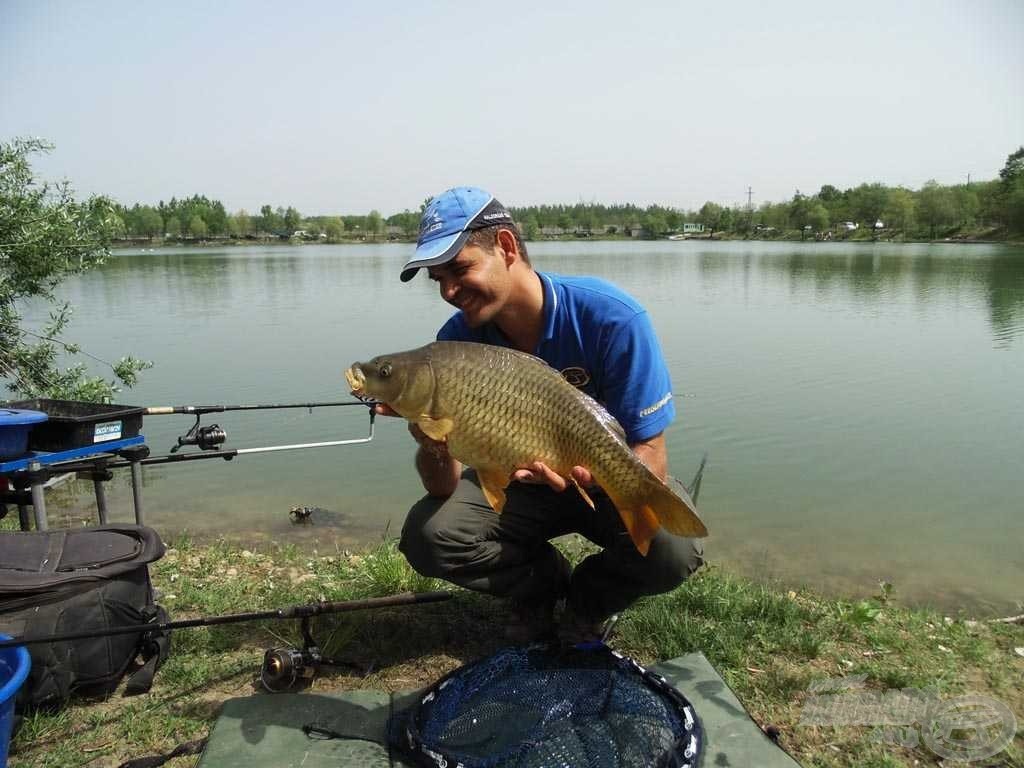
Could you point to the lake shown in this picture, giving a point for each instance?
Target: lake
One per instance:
(861, 404)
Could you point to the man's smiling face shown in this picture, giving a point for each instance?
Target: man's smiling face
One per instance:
(476, 281)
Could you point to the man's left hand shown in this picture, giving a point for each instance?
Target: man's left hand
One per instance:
(540, 473)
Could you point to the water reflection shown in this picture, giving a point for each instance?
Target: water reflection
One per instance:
(935, 274)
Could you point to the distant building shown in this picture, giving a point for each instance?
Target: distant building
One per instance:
(692, 227)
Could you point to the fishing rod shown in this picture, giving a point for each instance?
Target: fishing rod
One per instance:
(282, 667)
(211, 437)
(293, 612)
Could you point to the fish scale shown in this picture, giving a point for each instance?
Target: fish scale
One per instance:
(502, 410)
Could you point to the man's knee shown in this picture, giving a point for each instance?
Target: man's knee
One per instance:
(429, 541)
(671, 560)
(416, 541)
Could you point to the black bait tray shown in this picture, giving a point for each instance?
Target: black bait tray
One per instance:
(75, 424)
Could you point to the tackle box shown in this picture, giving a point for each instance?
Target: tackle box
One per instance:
(75, 424)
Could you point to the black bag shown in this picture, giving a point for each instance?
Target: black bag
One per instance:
(74, 580)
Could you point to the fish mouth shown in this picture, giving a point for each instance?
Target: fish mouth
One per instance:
(356, 380)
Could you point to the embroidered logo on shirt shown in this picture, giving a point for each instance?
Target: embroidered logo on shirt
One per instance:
(660, 404)
(576, 376)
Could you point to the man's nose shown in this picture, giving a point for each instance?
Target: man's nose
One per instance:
(448, 289)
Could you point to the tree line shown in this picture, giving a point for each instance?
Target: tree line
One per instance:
(47, 235)
(931, 211)
(198, 217)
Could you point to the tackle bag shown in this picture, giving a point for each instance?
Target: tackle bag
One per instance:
(75, 580)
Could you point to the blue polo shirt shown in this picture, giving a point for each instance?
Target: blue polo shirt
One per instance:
(602, 341)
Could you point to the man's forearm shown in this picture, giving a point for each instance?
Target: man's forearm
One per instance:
(439, 474)
(653, 453)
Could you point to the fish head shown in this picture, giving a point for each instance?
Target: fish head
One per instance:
(403, 380)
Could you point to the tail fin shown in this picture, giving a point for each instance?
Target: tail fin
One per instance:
(658, 506)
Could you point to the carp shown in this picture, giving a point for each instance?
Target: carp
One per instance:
(499, 410)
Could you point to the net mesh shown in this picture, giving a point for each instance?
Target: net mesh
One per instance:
(543, 706)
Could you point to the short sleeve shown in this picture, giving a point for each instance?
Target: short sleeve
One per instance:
(637, 387)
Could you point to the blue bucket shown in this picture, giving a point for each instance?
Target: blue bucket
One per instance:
(14, 666)
(15, 424)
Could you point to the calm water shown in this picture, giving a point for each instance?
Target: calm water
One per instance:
(862, 404)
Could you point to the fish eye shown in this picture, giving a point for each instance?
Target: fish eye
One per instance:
(385, 370)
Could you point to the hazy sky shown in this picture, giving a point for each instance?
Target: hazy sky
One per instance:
(338, 107)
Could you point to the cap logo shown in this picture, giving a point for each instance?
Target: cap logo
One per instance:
(431, 222)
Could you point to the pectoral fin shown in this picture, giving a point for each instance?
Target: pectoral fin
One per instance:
(583, 493)
(492, 483)
(435, 429)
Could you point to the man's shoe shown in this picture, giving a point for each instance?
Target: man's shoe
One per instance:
(530, 622)
(575, 628)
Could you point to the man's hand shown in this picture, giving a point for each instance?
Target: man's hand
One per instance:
(540, 473)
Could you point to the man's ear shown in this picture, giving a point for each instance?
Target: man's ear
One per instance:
(510, 245)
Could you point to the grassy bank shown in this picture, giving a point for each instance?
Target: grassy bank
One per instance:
(770, 644)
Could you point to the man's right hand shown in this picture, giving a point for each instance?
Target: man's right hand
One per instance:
(436, 448)
(438, 471)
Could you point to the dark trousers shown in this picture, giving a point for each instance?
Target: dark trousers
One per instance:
(462, 540)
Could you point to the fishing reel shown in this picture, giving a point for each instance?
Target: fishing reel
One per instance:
(207, 438)
(284, 668)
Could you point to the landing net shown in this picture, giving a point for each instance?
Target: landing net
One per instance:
(544, 706)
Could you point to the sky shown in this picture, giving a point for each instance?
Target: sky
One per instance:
(340, 107)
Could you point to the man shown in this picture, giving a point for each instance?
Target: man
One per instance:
(602, 342)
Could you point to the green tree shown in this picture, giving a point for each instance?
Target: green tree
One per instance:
(817, 217)
(654, 224)
(46, 236)
(333, 228)
(374, 222)
(270, 221)
(800, 212)
(899, 212)
(173, 227)
(1013, 169)
(531, 227)
(197, 227)
(292, 220)
(242, 223)
(150, 222)
(867, 203)
(710, 214)
(967, 204)
(935, 206)
(1011, 192)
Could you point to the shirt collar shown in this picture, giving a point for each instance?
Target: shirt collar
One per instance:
(550, 306)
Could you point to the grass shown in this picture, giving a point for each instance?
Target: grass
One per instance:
(771, 644)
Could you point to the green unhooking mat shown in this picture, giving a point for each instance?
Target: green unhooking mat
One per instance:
(266, 731)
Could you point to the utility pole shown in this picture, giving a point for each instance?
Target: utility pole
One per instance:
(750, 209)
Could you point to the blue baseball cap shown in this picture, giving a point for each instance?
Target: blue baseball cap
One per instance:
(447, 223)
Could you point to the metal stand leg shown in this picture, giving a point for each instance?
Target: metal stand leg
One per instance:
(23, 519)
(137, 490)
(39, 505)
(101, 499)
